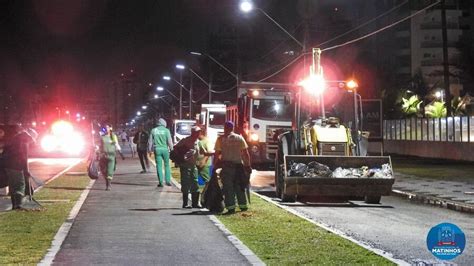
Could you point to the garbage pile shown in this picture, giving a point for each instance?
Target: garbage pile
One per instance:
(315, 169)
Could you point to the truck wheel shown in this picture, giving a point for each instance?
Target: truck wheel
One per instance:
(287, 198)
(372, 199)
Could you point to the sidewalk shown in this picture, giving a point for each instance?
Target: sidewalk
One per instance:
(137, 223)
(454, 195)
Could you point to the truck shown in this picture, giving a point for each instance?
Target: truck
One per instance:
(318, 158)
(213, 117)
(181, 129)
(262, 113)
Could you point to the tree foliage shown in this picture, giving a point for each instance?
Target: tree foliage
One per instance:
(411, 106)
(436, 109)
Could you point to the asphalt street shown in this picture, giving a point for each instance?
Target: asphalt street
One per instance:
(397, 226)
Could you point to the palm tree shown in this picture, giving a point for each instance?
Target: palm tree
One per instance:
(411, 106)
(435, 109)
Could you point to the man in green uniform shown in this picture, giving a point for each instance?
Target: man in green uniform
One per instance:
(109, 145)
(160, 143)
(232, 154)
(188, 169)
(203, 161)
(16, 165)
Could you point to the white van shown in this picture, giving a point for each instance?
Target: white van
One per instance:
(182, 129)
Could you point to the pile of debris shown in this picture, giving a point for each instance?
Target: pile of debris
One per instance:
(315, 169)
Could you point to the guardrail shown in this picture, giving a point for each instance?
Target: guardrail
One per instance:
(446, 129)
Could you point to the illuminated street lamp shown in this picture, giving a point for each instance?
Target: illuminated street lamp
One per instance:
(166, 77)
(144, 107)
(155, 96)
(246, 6)
(159, 88)
(139, 113)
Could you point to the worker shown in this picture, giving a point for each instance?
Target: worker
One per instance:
(109, 145)
(203, 161)
(232, 155)
(16, 165)
(160, 143)
(141, 140)
(188, 169)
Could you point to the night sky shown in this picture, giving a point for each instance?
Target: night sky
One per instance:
(63, 50)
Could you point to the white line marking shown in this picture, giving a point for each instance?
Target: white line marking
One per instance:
(241, 247)
(59, 174)
(65, 228)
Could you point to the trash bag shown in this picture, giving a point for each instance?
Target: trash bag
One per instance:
(212, 197)
(316, 169)
(93, 170)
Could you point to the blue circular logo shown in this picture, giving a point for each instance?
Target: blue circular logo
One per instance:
(446, 241)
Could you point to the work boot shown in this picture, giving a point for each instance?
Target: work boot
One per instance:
(185, 201)
(17, 201)
(195, 200)
(107, 184)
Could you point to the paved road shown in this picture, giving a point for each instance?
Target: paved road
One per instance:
(397, 226)
(138, 224)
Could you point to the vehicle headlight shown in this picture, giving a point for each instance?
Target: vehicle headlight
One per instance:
(254, 137)
(48, 143)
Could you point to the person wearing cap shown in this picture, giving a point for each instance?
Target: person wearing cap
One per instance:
(160, 143)
(109, 145)
(231, 155)
(188, 169)
(16, 165)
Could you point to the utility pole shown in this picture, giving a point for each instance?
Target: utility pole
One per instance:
(445, 58)
(181, 95)
(191, 98)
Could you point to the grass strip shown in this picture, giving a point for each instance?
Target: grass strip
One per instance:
(26, 235)
(278, 237)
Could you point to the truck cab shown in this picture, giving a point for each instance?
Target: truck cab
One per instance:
(260, 115)
(213, 117)
(182, 129)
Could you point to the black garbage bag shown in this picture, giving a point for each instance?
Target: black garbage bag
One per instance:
(316, 169)
(297, 169)
(212, 197)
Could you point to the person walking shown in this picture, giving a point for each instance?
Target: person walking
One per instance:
(188, 150)
(109, 145)
(141, 140)
(232, 155)
(160, 143)
(16, 165)
(124, 136)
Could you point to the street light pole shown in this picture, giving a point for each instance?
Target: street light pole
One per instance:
(181, 96)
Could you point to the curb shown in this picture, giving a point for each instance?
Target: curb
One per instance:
(241, 247)
(435, 201)
(65, 227)
(377, 251)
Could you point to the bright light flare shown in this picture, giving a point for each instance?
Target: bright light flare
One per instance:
(352, 84)
(246, 6)
(314, 84)
(255, 93)
(166, 77)
(61, 128)
(179, 66)
(276, 107)
(254, 137)
(48, 143)
(159, 88)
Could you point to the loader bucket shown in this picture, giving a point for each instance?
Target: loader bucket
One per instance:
(348, 187)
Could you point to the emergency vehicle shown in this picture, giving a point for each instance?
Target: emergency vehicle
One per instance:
(213, 117)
